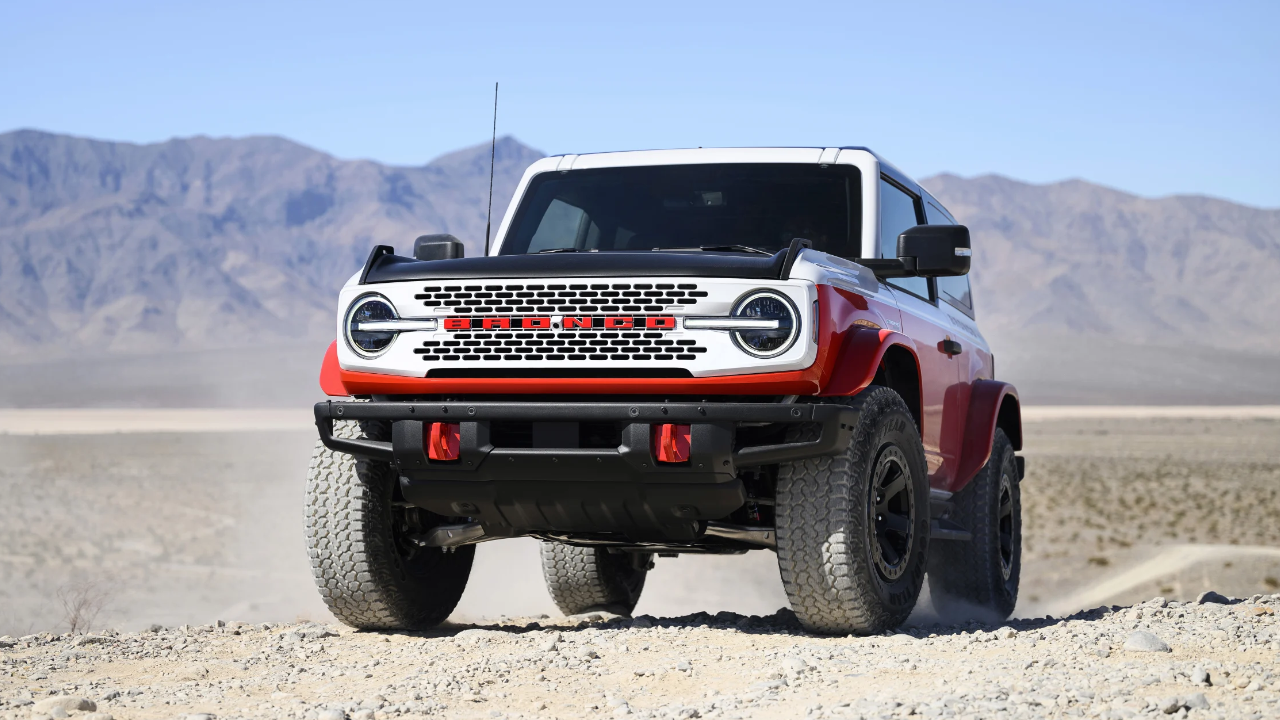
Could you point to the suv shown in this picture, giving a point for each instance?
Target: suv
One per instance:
(677, 351)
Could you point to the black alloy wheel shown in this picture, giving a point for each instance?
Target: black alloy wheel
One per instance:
(892, 509)
(1006, 525)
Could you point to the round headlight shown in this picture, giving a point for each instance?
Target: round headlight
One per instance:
(767, 305)
(370, 308)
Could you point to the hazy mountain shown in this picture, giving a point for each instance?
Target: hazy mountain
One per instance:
(202, 242)
(1099, 263)
(1087, 293)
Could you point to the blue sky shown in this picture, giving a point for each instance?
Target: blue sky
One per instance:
(1151, 97)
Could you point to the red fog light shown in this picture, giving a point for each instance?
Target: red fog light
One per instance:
(442, 441)
(670, 442)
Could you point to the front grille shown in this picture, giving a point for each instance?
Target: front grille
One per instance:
(598, 346)
(581, 298)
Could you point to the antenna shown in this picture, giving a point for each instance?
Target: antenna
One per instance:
(493, 143)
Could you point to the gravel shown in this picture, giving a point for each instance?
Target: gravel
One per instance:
(1163, 659)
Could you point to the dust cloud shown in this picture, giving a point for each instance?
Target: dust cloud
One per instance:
(188, 528)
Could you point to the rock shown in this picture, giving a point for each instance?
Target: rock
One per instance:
(1200, 676)
(198, 716)
(95, 716)
(794, 666)
(550, 643)
(67, 703)
(684, 666)
(1143, 641)
(1196, 701)
(1209, 596)
(91, 640)
(58, 713)
(1169, 705)
(374, 703)
(644, 621)
(331, 714)
(365, 714)
(1006, 633)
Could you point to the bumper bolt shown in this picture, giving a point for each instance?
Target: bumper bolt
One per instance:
(633, 411)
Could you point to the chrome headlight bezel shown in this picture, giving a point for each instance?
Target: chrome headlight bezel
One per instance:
(791, 309)
(348, 325)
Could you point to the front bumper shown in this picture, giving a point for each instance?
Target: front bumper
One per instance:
(557, 486)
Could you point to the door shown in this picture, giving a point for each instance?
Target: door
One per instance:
(928, 325)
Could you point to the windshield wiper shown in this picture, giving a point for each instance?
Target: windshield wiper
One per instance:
(715, 248)
(558, 250)
(733, 248)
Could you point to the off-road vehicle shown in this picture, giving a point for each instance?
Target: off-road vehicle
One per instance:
(683, 351)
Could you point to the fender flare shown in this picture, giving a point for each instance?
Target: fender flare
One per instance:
(859, 359)
(992, 404)
(331, 373)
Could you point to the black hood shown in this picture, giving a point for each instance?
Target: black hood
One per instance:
(384, 267)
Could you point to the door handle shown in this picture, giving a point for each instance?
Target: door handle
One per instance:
(950, 347)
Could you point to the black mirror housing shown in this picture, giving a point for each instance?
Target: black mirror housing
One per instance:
(936, 250)
(438, 247)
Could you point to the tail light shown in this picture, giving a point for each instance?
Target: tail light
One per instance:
(670, 442)
(442, 440)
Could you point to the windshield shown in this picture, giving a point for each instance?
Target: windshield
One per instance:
(761, 206)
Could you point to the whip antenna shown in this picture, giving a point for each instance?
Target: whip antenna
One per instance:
(493, 143)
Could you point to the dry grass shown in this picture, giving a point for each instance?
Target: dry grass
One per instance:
(82, 601)
(1095, 487)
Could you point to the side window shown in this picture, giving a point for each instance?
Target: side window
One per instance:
(899, 211)
(953, 290)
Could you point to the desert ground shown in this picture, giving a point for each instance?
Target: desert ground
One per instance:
(181, 554)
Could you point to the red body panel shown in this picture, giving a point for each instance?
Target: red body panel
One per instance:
(331, 373)
(985, 400)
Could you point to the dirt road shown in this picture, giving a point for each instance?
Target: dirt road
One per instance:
(1206, 661)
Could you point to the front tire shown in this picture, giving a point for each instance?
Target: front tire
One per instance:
(978, 580)
(853, 528)
(368, 572)
(580, 579)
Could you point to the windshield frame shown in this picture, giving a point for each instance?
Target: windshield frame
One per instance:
(855, 197)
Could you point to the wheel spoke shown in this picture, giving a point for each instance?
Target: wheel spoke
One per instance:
(896, 524)
(894, 487)
(889, 553)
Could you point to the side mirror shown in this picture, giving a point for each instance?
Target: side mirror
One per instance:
(936, 250)
(438, 247)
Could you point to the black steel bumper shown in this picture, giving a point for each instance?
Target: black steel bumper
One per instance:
(558, 486)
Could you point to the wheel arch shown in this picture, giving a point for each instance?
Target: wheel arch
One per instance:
(992, 404)
(880, 357)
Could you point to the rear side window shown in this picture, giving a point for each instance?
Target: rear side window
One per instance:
(899, 211)
(953, 290)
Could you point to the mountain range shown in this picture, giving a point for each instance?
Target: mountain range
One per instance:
(129, 253)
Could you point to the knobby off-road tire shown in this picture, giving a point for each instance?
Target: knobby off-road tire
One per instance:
(978, 580)
(585, 578)
(369, 575)
(853, 528)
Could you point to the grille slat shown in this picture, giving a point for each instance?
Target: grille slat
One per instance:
(525, 347)
(511, 299)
